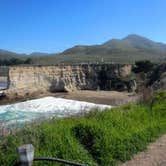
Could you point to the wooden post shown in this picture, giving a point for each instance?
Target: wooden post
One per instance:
(26, 154)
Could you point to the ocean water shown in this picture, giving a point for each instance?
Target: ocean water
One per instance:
(44, 108)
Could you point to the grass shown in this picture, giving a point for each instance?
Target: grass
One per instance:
(98, 138)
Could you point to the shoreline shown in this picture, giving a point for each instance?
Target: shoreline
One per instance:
(113, 98)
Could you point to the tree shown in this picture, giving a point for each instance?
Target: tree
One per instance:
(143, 66)
(28, 61)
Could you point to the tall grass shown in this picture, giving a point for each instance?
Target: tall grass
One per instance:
(98, 138)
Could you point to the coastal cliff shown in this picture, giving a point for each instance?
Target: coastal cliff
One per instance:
(27, 80)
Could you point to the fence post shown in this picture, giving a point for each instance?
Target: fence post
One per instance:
(26, 154)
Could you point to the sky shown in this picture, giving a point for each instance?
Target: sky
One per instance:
(54, 25)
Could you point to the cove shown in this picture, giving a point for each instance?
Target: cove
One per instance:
(44, 108)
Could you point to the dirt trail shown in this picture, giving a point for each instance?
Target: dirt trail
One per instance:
(155, 155)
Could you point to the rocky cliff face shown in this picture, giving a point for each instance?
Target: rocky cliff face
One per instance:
(24, 80)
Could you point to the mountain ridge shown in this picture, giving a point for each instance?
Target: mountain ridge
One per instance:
(130, 48)
(131, 41)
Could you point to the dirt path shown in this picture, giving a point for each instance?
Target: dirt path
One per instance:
(154, 156)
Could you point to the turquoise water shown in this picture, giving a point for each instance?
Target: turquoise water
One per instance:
(43, 108)
(11, 117)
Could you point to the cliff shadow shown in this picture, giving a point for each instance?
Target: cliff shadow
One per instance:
(58, 86)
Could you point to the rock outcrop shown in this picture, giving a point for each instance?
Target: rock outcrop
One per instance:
(24, 80)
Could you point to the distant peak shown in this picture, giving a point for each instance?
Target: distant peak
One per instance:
(110, 41)
(134, 36)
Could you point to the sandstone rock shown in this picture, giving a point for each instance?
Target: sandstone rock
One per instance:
(125, 70)
(23, 80)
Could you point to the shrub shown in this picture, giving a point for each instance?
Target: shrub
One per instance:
(143, 66)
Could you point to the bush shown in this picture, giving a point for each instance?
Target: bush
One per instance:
(143, 66)
(15, 61)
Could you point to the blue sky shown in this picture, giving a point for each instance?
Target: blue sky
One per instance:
(54, 25)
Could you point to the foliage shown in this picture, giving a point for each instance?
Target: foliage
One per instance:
(143, 66)
(98, 138)
(156, 73)
(28, 61)
(15, 61)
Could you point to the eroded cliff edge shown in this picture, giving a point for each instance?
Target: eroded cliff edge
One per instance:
(27, 80)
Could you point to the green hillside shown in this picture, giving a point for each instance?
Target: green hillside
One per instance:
(131, 48)
(127, 50)
(8, 55)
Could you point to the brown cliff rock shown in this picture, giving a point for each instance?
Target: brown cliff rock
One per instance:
(27, 80)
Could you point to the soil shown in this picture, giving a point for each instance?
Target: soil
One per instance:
(99, 97)
(155, 155)
(103, 97)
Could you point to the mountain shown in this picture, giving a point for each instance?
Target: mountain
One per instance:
(127, 50)
(144, 43)
(129, 43)
(4, 54)
(39, 54)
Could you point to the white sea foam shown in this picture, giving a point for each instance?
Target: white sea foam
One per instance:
(45, 107)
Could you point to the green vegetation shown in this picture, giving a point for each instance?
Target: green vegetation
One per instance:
(98, 138)
(156, 73)
(15, 61)
(143, 66)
